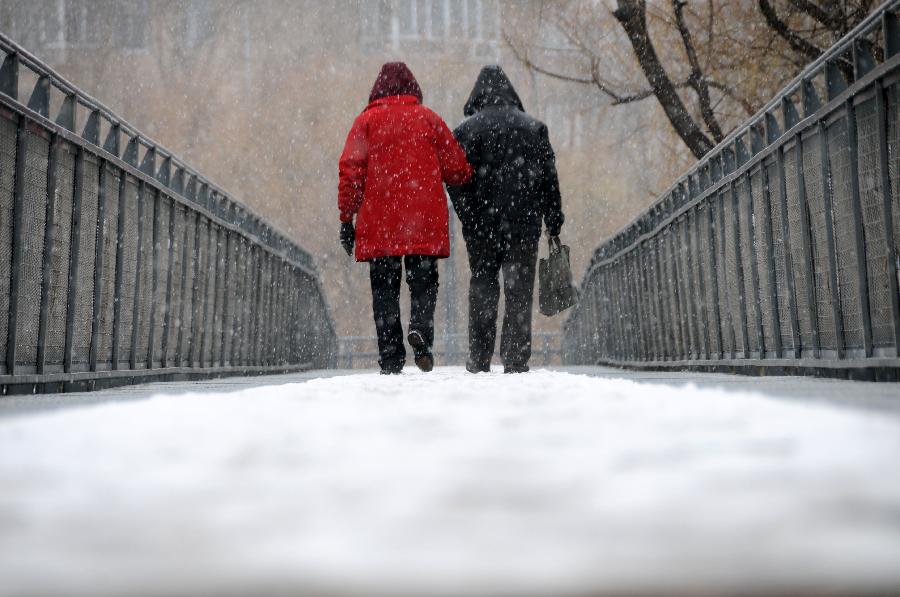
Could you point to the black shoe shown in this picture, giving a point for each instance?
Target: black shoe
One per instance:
(473, 368)
(423, 357)
(392, 367)
(515, 368)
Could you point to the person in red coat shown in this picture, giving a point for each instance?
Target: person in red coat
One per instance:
(395, 162)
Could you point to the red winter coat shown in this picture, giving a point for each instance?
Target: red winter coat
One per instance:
(397, 156)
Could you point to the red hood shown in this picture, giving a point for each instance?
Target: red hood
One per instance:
(395, 78)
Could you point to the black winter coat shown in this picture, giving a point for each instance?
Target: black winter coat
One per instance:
(514, 185)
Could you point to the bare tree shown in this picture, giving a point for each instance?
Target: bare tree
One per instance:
(705, 63)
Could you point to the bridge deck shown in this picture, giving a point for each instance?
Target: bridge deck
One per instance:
(585, 480)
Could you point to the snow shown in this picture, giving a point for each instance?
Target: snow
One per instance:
(449, 483)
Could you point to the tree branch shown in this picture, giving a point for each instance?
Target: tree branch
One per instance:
(617, 97)
(781, 28)
(729, 92)
(632, 14)
(799, 44)
(696, 78)
(828, 18)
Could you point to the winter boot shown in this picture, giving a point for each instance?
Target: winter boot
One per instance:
(472, 367)
(515, 368)
(423, 357)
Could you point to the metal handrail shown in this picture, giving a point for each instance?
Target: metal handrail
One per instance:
(99, 295)
(811, 71)
(273, 237)
(777, 252)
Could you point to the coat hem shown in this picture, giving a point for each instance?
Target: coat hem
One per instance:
(398, 253)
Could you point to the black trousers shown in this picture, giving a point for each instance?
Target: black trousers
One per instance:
(422, 279)
(516, 258)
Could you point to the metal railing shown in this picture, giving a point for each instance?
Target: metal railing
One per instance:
(123, 265)
(778, 251)
(361, 352)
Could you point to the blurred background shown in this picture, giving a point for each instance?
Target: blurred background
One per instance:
(259, 95)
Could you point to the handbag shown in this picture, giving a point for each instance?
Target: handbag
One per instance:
(555, 290)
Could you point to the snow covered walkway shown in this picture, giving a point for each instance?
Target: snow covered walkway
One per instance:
(448, 483)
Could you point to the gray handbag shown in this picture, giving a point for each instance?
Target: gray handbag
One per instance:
(555, 290)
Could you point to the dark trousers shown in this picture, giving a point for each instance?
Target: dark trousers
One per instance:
(516, 259)
(422, 279)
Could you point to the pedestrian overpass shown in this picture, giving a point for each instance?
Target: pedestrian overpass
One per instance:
(141, 450)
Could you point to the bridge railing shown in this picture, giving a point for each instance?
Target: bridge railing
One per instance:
(119, 262)
(778, 251)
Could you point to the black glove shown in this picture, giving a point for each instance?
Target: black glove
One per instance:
(554, 243)
(348, 237)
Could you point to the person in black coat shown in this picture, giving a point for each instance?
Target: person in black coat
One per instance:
(513, 190)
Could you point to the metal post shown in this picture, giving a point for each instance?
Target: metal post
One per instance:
(739, 285)
(269, 312)
(701, 291)
(637, 343)
(625, 313)
(260, 323)
(98, 265)
(788, 261)
(769, 249)
(185, 260)
(677, 278)
(225, 297)
(281, 323)
(248, 307)
(671, 281)
(139, 265)
(625, 308)
(859, 230)
(151, 349)
(196, 297)
(662, 315)
(650, 347)
(74, 277)
(167, 321)
(805, 235)
(887, 209)
(218, 275)
(120, 264)
(210, 266)
(256, 313)
(690, 291)
(289, 316)
(237, 316)
(727, 319)
(715, 319)
(829, 239)
(754, 268)
(616, 313)
(48, 254)
(18, 245)
(645, 321)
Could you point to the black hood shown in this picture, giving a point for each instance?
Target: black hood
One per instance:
(492, 89)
